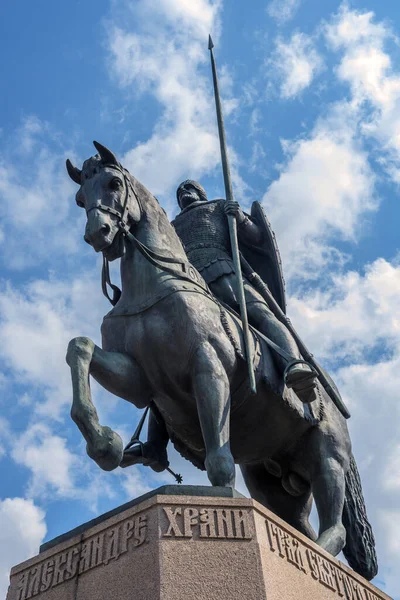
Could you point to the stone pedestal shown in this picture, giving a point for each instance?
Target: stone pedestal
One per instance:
(187, 543)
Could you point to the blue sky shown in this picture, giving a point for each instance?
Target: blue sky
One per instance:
(311, 94)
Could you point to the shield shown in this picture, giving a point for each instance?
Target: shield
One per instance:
(265, 259)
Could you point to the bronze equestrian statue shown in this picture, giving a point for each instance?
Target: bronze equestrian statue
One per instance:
(202, 227)
(169, 342)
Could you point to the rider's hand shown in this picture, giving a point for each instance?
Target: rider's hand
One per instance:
(233, 208)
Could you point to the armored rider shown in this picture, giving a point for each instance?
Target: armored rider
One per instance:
(202, 226)
(203, 229)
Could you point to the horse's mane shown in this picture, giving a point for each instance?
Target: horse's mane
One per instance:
(92, 166)
(155, 213)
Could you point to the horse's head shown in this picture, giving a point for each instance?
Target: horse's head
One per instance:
(106, 193)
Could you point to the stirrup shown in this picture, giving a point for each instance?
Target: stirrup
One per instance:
(133, 442)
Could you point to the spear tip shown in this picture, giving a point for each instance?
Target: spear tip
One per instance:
(210, 43)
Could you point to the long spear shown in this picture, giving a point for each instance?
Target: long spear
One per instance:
(232, 220)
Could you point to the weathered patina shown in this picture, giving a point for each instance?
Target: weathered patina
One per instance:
(170, 343)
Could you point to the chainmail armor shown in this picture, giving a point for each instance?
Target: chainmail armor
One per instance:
(204, 232)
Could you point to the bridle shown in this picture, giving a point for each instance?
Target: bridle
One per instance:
(184, 269)
(122, 216)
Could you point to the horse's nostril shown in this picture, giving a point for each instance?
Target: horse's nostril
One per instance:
(87, 240)
(105, 230)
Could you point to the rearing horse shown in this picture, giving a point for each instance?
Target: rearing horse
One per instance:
(170, 342)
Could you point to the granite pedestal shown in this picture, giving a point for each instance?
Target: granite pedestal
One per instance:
(187, 543)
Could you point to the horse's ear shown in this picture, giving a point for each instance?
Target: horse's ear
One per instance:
(106, 155)
(74, 172)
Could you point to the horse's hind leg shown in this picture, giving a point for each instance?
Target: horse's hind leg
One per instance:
(119, 374)
(268, 490)
(328, 488)
(328, 452)
(211, 390)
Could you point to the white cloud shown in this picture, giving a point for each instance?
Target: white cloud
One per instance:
(326, 185)
(366, 66)
(283, 10)
(390, 554)
(36, 324)
(371, 391)
(5, 436)
(134, 483)
(165, 59)
(36, 197)
(55, 471)
(323, 191)
(392, 471)
(296, 63)
(355, 313)
(27, 134)
(22, 531)
(49, 460)
(350, 28)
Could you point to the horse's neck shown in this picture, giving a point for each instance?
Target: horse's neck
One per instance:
(139, 277)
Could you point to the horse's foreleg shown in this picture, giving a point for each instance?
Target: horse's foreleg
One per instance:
(118, 373)
(211, 390)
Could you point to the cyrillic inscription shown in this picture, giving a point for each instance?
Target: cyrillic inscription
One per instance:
(313, 564)
(93, 552)
(219, 523)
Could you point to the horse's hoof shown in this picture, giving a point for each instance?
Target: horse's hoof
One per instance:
(333, 539)
(220, 468)
(107, 450)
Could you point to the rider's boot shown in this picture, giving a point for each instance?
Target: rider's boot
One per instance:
(297, 373)
(148, 454)
(152, 453)
(302, 378)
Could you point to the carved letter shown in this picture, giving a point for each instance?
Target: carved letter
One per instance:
(370, 596)
(312, 561)
(126, 534)
(224, 523)
(207, 523)
(60, 562)
(72, 563)
(271, 537)
(34, 581)
(173, 529)
(338, 575)
(242, 529)
(112, 549)
(293, 553)
(275, 536)
(352, 589)
(47, 575)
(325, 573)
(84, 563)
(23, 586)
(190, 518)
(96, 557)
(140, 529)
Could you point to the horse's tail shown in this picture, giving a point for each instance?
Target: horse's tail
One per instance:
(360, 543)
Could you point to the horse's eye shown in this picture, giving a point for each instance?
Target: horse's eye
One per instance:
(115, 183)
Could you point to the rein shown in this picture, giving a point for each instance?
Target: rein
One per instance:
(185, 269)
